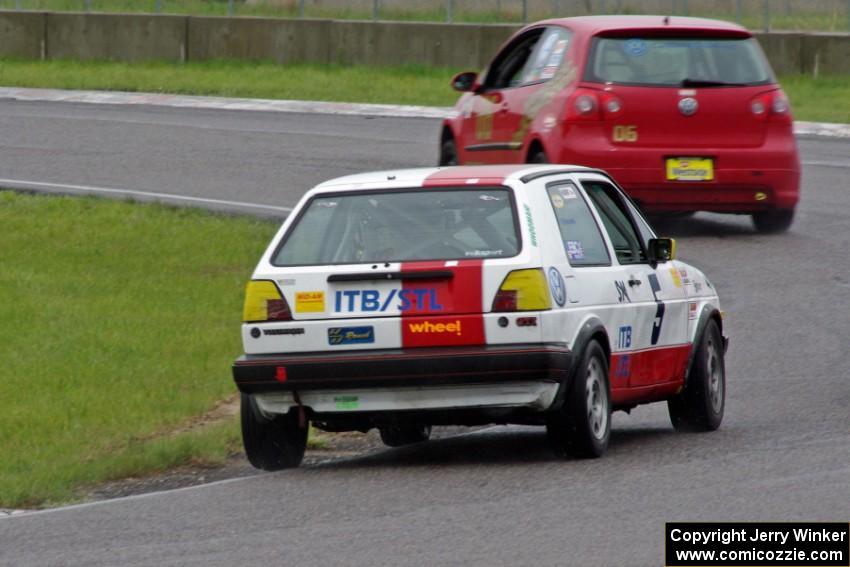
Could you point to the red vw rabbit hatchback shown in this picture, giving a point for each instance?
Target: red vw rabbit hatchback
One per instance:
(685, 113)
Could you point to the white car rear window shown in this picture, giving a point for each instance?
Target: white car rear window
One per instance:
(401, 226)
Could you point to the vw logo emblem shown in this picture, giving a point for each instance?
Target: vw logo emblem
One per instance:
(556, 284)
(688, 106)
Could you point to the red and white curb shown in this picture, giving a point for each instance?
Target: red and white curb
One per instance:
(295, 106)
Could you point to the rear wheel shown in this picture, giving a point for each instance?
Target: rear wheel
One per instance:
(448, 152)
(271, 442)
(699, 407)
(777, 220)
(399, 435)
(538, 157)
(583, 426)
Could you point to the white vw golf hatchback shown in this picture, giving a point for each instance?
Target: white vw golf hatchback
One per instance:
(470, 295)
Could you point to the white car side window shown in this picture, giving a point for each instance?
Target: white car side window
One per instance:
(581, 236)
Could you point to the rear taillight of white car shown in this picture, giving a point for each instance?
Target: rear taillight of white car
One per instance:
(523, 290)
(771, 106)
(263, 302)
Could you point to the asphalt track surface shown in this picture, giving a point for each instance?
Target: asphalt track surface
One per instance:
(497, 497)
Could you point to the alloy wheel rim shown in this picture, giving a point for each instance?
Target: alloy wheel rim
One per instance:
(597, 400)
(715, 377)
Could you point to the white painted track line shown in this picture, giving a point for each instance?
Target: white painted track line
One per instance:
(146, 196)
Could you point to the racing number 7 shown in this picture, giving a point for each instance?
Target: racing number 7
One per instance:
(659, 310)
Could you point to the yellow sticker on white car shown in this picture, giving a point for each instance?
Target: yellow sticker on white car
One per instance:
(310, 302)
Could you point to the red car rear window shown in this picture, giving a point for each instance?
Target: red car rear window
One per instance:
(677, 61)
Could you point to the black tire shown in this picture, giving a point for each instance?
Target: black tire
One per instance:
(582, 427)
(538, 157)
(771, 222)
(399, 435)
(700, 406)
(272, 443)
(448, 152)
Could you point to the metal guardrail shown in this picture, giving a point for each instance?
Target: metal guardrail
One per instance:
(767, 15)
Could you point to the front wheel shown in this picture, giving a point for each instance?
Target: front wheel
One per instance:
(582, 427)
(699, 407)
(271, 442)
(400, 435)
(778, 220)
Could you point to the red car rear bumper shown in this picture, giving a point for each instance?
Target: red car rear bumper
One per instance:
(745, 179)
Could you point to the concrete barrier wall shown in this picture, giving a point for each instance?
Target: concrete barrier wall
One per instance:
(120, 37)
(141, 37)
(22, 34)
(283, 41)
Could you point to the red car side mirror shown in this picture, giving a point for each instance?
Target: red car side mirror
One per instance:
(464, 82)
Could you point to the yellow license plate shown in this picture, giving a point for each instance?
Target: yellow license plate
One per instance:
(690, 169)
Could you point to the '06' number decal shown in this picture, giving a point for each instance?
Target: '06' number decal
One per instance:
(625, 133)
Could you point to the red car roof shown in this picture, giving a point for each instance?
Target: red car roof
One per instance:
(593, 25)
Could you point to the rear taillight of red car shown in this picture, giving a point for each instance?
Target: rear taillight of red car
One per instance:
(771, 106)
(591, 105)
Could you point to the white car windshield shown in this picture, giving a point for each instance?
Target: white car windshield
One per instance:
(399, 226)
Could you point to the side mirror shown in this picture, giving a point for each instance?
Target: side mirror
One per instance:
(464, 82)
(662, 250)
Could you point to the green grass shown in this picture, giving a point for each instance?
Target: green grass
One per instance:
(825, 99)
(393, 85)
(119, 323)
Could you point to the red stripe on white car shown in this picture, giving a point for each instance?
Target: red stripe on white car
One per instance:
(644, 368)
(488, 175)
(445, 311)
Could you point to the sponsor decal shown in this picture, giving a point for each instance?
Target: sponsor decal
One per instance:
(429, 327)
(549, 72)
(624, 340)
(530, 221)
(574, 250)
(482, 253)
(293, 331)
(549, 122)
(351, 335)
(697, 287)
(346, 402)
(635, 48)
(567, 192)
(760, 196)
(374, 301)
(560, 46)
(622, 294)
(526, 321)
(677, 281)
(557, 286)
(624, 366)
(310, 302)
(692, 310)
(286, 282)
(557, 201)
